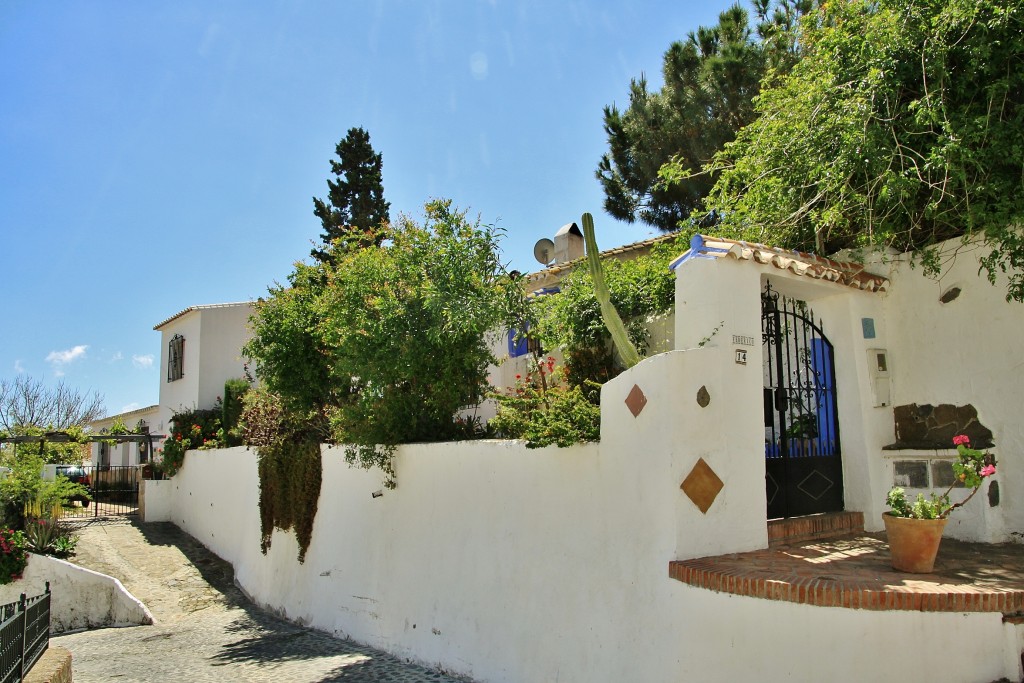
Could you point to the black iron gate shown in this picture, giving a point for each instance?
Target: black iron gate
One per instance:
(113, 490)
(803, 465)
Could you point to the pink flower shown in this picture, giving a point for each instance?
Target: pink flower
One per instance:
(961, 440)
(987, 470)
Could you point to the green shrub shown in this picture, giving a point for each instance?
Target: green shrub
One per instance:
(231, 411)
(544, 411)
(24, 488)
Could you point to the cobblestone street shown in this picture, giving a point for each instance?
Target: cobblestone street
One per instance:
(205, 630)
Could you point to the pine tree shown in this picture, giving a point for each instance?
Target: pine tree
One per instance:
(711, 79)
(355, 208)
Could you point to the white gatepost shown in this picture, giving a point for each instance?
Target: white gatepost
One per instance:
(717, 420)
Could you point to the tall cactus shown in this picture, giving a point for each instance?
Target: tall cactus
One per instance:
(627, 351)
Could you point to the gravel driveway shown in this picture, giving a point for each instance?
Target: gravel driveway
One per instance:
(205, 630)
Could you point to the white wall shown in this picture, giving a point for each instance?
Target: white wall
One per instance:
(155, 500)
(716, 300)
(225, 330)
(964, 351)
(182, 393)
(510, 564)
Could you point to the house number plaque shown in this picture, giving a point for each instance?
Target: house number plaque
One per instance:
(741, 356)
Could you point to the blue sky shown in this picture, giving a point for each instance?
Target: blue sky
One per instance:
(159, 155)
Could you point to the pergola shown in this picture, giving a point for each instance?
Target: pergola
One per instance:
(145, 440)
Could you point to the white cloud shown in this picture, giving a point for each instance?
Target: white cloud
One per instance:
(58, 359)
(143, 362)
(116, 357)
(18, 367)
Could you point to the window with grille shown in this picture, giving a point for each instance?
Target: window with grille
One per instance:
(176, 358)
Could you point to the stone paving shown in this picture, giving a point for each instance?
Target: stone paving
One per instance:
(206, 630)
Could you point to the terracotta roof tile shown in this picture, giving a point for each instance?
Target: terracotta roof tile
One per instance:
(796, 262)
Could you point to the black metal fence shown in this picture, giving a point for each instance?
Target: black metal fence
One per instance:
(24, 635)
(113, 490)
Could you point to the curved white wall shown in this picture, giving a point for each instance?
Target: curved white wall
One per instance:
(80, 598)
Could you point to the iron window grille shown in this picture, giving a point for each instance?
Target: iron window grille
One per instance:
(176, 358)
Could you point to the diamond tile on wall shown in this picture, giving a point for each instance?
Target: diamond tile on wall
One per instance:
(636, 400)
(702, 485)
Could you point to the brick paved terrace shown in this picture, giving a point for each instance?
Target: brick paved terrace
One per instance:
(852, 570)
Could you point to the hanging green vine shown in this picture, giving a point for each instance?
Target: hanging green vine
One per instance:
(290, 476)
(289, 466)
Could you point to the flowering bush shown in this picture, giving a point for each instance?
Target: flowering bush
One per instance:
(193, 429)
(971, 469)
(13, 556)
(543, 410)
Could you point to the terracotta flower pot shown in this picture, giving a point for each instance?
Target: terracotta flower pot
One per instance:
(914, 543)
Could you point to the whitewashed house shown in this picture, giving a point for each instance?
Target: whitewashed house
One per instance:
(200, 349)
(104, 454)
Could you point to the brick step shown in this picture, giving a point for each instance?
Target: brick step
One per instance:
(811, 527)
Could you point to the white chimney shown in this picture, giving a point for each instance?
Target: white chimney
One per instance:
(568, 243)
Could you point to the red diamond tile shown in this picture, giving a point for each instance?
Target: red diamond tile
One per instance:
(636, 400)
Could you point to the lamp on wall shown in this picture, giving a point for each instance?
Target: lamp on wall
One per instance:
(143, 451)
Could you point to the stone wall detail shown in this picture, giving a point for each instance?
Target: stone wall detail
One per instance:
(933, 427)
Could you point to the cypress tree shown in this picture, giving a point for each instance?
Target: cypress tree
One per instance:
(355, 208)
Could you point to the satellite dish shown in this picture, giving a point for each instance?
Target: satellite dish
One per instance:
(543, 251)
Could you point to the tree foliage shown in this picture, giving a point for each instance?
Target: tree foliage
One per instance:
(406, 323)
(710, 80)
(903, 125)
(292, 360)
(355, 208)
(383, 345)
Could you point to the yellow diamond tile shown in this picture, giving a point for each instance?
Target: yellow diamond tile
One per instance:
(702, 485)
